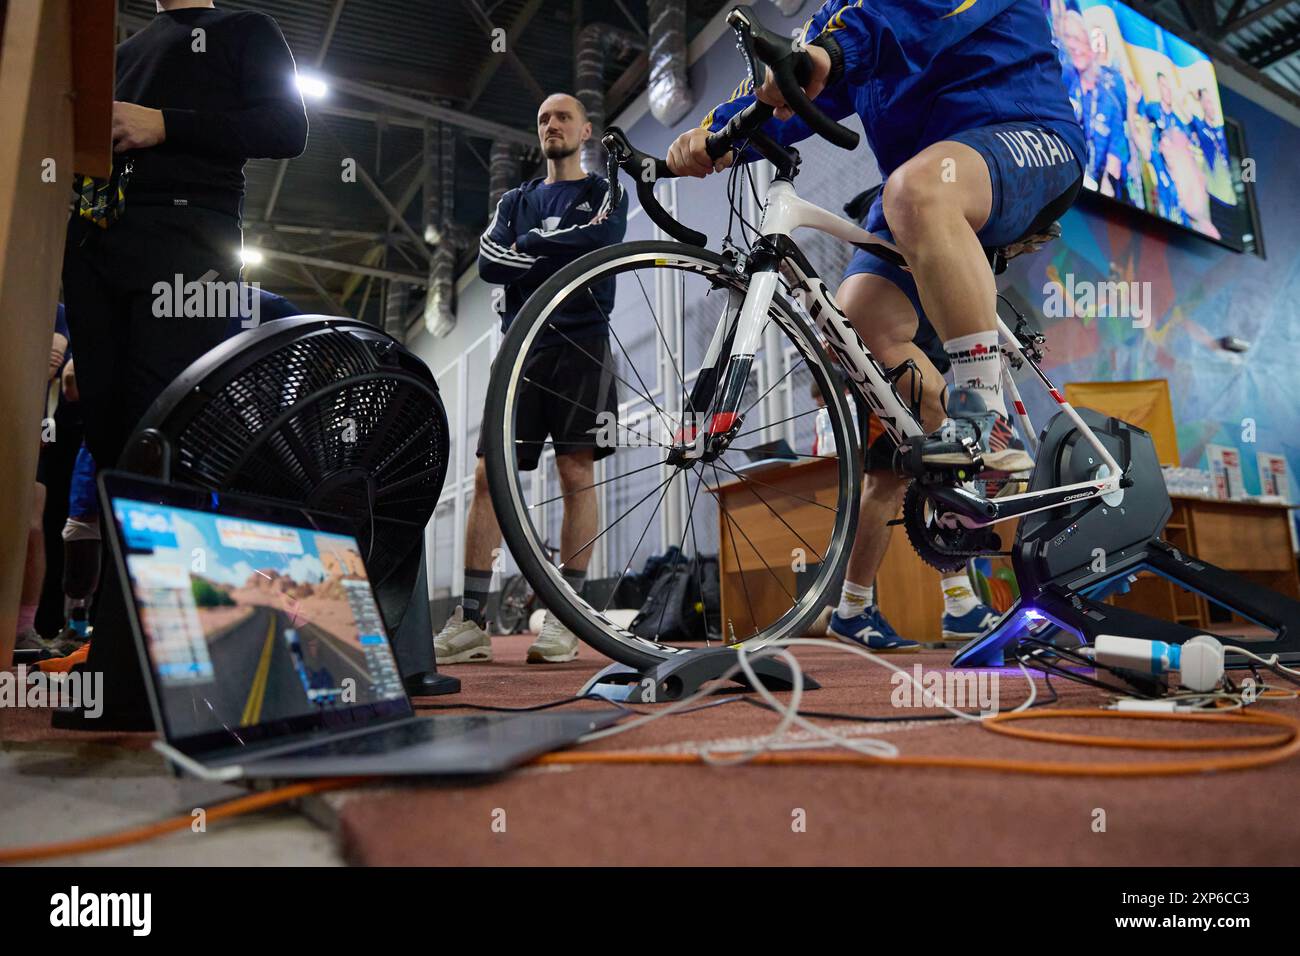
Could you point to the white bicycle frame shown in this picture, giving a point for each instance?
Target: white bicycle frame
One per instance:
(783, 213)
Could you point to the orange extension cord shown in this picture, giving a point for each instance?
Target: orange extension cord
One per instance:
(1270, 749)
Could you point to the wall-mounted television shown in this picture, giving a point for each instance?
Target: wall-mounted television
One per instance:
(1149, 104)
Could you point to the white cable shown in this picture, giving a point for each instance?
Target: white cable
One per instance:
(1266, 661)
(789, 713)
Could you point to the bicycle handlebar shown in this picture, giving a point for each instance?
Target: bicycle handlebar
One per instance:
(791, 68)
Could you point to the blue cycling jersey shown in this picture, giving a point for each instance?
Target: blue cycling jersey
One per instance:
(920, 71)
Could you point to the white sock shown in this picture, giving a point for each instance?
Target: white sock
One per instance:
(26, 618)
(958, 596)
(855, 599)
(977, 364)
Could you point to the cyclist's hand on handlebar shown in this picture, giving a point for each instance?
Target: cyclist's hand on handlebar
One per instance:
(688, 157)
(771, 94)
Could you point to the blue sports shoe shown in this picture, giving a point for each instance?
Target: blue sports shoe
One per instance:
(870, 630)
(976, 622)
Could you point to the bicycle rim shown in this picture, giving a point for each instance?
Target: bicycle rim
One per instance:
(792, 581)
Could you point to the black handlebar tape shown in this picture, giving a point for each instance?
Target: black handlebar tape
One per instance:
(739, 127)
(792, 68)
(645, 192)
(647, 170)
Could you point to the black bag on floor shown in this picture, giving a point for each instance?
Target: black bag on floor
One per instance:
(675, 610)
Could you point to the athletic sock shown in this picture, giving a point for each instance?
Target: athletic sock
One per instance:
(854, 599)
(477, 584)
(977, 364)
(958, 596)
(575, 579)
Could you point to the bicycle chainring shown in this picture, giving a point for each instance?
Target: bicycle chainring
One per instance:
(943, 544)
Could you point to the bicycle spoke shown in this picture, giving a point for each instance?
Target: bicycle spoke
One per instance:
(754, 431)
(644, 397)
(653, 464)
(753, 618)
(551, 391)
(795, 453)
(774, 384)
(639, 540)
(662, 338)
(773, 510)
(676, 560)
(783, 491)
(765, 564)
(695, 543)
(621, 517)
(631, 364)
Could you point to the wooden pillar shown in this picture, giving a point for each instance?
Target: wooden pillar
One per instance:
(56, 88)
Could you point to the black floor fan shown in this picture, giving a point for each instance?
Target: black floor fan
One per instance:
(328, 413)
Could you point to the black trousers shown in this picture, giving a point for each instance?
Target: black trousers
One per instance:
(121, 291)
(129, 342)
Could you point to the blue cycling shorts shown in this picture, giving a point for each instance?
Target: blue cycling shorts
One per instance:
(1035, 176)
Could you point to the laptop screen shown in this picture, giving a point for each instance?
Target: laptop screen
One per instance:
(252, 627)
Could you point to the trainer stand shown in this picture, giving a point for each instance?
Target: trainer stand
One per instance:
(684, 675)
(1065, 558)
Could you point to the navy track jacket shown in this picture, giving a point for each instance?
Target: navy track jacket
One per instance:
(538, 253)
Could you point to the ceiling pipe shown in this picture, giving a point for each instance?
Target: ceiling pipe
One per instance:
(504, 164)
(669, 89)
(595, 42)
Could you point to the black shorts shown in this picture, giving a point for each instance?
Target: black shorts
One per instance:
(567, 387)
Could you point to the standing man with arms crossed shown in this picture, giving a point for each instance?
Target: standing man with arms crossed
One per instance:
(538, 228)
(965, 110)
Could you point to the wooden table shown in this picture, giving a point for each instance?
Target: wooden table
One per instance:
(907, 587)
(1248, 538)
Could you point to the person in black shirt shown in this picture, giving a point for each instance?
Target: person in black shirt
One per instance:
(199, 91)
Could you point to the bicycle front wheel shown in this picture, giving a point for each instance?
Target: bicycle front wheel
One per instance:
(767, 519)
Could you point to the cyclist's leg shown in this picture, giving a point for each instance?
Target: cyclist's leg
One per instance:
(874, 297)
(882, 302)
(981, 187)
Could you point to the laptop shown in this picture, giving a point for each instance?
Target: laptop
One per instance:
(767, 454)
(265, 654)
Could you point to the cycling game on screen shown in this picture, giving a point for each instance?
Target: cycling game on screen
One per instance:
(249, 622)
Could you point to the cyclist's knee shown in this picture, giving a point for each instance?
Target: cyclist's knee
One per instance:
(480, 477)
(913, 201)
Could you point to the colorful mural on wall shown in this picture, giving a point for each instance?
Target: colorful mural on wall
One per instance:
(1198, 293)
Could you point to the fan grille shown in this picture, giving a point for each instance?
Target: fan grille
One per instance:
(329, 419)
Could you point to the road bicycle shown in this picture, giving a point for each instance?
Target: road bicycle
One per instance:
(697, 424)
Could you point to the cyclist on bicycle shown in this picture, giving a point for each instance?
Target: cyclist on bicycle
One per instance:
(537, 229)
(965, 110)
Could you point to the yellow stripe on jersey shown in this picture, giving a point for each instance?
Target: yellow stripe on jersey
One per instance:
(961, 8)
(745, 87)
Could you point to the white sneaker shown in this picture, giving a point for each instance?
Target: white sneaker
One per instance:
(461, 641)
(555, 645)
